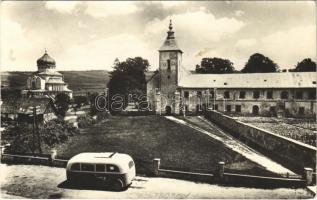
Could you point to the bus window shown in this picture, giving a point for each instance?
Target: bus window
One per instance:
(75, 166)
(112, 168)
(131, 163)
(87, 167)
(100, 168)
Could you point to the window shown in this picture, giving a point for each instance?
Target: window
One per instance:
(131, 164)
(269, 94)
(301, 110)
(112, 168)
(100, 168)
(242, 95)
(238, 108)
(87, 167)
(168, 64)
(284, 95)
(226, 94)
(228, 108)
(216, 107)
(299, 95)
(199, 94)
(168, 77)
(212, 94)
(186, 94)
(273, 109)
(312, 94)
(256, 94)
(75, 166)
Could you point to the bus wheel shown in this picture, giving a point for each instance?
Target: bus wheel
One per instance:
(118, 185)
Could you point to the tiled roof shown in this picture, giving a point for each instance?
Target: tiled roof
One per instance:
(25, 105)
(40, 103)
(248, 80)
(170, 45)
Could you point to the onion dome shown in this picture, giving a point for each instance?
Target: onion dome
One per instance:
(45, 62)
(170, 43)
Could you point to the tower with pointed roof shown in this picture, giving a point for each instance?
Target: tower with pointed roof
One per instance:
(170, 60)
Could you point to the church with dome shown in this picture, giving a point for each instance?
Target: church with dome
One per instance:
(46, 82)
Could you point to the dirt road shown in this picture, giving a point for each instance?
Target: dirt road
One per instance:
(32, 181)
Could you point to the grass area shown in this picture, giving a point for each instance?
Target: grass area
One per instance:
(148, 137)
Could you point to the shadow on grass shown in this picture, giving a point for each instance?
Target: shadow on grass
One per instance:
(89, 185)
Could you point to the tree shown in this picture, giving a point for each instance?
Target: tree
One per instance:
(62, 102)
(128, 78)
(258, 63)
(79, 100)
(215, 66)
(306, 65)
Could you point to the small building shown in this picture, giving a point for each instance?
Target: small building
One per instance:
(21, 110)
(44, 110)
(9, 109)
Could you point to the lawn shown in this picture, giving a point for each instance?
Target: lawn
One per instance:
(148, 137)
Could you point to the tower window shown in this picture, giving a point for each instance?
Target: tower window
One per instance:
(168, 77)
(169, 64)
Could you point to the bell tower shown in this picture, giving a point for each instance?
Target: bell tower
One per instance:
(170, 60)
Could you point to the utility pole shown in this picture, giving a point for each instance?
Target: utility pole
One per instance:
(36, 129)
(214, 107)
(33, 130)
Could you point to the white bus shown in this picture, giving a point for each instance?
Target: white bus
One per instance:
(115, 169)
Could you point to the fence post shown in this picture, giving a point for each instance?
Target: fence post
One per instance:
(308, 175)
(221, 169)
(53, 156)
(156, 166)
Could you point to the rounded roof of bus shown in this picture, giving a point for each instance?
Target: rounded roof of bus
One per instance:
(119, 159)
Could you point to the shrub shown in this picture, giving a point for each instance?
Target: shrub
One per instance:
(84, 121)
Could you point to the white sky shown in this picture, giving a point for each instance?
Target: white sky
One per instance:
(90, 35)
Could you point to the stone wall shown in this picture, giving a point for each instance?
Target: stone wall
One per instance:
(291, 152)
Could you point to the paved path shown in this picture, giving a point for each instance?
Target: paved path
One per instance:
(34, 181)
(200, 124)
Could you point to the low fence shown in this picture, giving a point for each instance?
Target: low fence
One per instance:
(154, 166)
(291, 152)
(34, 160)
(234, 179)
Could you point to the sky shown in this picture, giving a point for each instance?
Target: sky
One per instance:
(83, 35)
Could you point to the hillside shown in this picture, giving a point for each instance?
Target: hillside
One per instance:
(78, 81)
(94, 80)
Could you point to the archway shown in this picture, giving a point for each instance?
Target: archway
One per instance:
(168, 110)
(255, 110)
